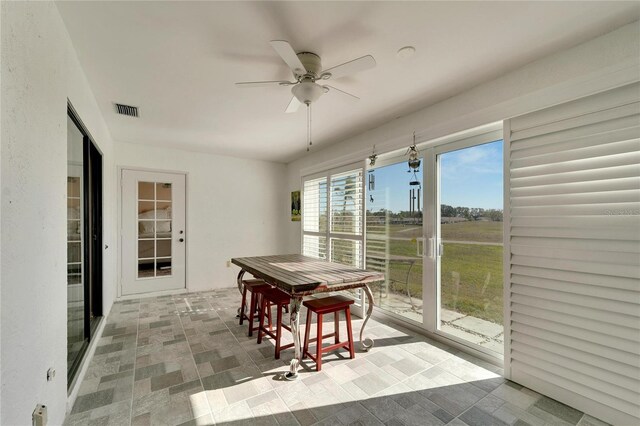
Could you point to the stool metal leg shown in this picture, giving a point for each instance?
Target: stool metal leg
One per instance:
(243, 304)
(294, 318)
(307, 327)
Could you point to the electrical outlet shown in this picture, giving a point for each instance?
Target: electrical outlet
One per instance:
(228, 264)
(40, 415)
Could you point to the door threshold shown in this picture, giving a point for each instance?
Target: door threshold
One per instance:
(152, 294)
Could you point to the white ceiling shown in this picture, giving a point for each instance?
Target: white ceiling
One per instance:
(178, 61)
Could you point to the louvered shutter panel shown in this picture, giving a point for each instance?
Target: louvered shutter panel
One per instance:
(347, 217)
(333, 216)
(314, 218)
(574, 260)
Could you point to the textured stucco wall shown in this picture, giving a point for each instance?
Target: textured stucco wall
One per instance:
(33, 155)
(39, 73)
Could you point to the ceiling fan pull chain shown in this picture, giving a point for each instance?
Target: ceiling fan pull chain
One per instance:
(309, 143)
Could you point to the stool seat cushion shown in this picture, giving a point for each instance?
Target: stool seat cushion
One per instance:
(276, 296)
(328, 304)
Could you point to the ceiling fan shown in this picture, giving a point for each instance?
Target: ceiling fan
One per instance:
(307, 71)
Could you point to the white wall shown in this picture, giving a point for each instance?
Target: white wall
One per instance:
(607, 61)
(39, 72)
(235, 207)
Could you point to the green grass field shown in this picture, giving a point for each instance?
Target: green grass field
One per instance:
(471, 274)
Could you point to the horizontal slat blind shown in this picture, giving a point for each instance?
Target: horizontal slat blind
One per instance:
(574, 259)
(333, 216)
(314, 205)
(346, 203)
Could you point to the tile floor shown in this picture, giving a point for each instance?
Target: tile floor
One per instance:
(183, 360)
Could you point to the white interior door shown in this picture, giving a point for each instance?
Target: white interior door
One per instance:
(153, 231)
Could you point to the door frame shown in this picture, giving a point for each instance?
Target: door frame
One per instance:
(120, 168)
(431, 273)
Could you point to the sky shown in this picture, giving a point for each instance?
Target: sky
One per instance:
(470, 177)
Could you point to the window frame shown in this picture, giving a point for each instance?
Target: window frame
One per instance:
(328, 234)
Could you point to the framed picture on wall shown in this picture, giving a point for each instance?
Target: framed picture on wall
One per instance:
(295, 206)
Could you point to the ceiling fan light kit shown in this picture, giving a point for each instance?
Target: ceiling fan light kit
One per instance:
(307, 91)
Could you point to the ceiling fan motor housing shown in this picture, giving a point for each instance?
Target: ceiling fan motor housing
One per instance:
(311, 62)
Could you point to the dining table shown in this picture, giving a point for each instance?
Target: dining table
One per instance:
(300, 276)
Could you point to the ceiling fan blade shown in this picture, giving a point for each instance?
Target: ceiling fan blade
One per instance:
(293, 106)
(351, 67)
(264, 83)
(331, 88)
(286, 52)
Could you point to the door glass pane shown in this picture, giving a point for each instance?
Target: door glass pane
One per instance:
(163, 191)
(146, 268)
(75, 243)
(146, 249)
(394, 237)
(146, 191)
(470, 233)
(163, 267)
(154, 229)
(163, 248)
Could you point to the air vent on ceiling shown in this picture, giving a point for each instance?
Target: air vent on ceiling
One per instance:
(127, 110)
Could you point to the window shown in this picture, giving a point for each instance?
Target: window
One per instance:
(332, 216)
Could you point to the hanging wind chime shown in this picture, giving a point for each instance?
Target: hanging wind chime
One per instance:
(414, 167)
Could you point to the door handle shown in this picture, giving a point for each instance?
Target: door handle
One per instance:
(181, 240)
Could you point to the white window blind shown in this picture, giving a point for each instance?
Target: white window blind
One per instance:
(573, 263)
(332, 216)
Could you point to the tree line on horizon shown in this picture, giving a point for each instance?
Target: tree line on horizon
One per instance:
(468, 213)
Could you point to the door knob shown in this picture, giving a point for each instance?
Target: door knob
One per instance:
(181, 240)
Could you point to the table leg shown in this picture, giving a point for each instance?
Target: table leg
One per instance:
(240, 289)
(367, 343)
(294, 317)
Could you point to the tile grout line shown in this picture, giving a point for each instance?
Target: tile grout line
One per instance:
(192, 355)
(135, 362)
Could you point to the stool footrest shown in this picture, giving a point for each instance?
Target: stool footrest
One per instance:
(324, 336)
(329, 348)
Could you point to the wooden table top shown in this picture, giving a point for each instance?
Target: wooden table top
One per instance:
(298, 274)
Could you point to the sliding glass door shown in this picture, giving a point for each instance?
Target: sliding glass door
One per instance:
(435, 230)
(84, 241)
(469, 244)
(394, 218)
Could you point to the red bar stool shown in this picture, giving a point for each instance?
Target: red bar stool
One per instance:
(328, 305)
(280, 299)
(255, 287)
